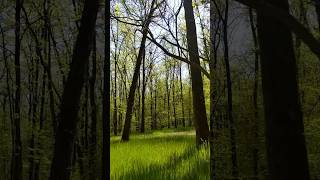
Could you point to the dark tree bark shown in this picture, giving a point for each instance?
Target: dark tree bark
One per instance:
(106, 98)
(190, 99)
(199, 109)
(85, 110)
(133, 87)
(93, 105)
(286, 148)
(142, 125)
(66, 132)
(138, 105)
(16, 164)
(255, 151)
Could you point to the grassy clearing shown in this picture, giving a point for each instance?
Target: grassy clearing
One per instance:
(159, 155)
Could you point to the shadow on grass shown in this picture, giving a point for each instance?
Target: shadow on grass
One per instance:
(169, 170)
(155, 139)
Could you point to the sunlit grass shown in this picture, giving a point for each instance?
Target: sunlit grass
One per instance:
(159, 155)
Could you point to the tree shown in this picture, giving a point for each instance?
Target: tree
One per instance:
(199, 109)
(106, 97)
(66, 132)
(286, 148)
(142, 126)
(16, 162)
(93, 105)
(130, 101)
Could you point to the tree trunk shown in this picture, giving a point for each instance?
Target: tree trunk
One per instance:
(143, 93)
(66, 132)
(130, 101)
(138, 104)
(168, 97)
(174, 96)
(286, 148)
(199, 108)
(16, 164)
(106, 97)
(93, 105)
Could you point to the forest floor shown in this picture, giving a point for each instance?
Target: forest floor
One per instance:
(165, 154)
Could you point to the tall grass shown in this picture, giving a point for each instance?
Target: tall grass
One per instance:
(159, 155)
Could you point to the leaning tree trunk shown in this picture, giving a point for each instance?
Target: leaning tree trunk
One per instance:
(66, 131)
(142, 125)
(199, 108)
(286, 148)
(133, 87)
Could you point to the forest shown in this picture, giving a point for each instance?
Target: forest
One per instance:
(160, 89)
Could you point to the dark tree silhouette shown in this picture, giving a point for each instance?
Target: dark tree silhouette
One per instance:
(106, 97)
(16, 164)
(66, 132)
(286, 148)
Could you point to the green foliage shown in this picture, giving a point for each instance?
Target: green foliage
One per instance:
(160, 155)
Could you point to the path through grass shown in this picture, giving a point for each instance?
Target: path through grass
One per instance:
(159, 155)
